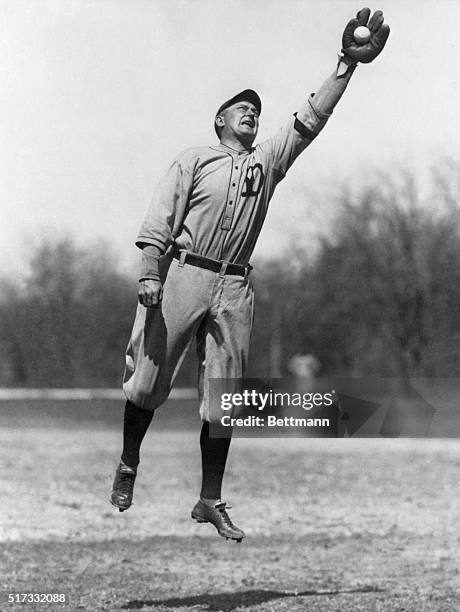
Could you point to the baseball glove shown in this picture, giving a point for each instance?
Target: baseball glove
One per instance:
(379, 34)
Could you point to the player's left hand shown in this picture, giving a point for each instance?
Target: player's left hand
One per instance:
(379, 34)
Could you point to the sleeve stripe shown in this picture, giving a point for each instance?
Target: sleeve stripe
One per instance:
(303, 130)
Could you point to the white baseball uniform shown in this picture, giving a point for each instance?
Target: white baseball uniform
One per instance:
(212, 202)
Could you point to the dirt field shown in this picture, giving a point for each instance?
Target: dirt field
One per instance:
(332, 525)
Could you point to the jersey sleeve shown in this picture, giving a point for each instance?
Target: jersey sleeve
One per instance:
(285, 146)
(167, 209)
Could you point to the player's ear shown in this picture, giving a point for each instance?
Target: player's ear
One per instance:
(220, 122)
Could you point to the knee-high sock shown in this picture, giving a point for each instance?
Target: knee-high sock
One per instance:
(135, 426)
(214, 453)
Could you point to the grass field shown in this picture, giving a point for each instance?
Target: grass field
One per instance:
(332, 525)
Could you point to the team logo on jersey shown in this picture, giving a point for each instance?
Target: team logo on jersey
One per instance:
(254, 181)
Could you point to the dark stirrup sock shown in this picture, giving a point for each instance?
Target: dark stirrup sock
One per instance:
(136, 423)
(214, 453)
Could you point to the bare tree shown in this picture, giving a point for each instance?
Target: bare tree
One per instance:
(387, 279)
(68, 323)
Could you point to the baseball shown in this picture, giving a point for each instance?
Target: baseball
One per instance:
(362, 35)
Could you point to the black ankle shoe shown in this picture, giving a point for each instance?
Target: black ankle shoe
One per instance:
(217, 516)
(123, 487)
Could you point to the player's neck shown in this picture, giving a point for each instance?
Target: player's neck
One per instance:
(235, 144)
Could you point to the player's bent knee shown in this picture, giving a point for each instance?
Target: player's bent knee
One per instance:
(146, 401)
(151, 400)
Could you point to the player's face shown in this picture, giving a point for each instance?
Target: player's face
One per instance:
(241, 121)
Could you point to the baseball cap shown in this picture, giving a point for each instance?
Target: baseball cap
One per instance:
(248, 95)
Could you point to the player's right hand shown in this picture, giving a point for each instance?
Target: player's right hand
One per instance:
(150, 293)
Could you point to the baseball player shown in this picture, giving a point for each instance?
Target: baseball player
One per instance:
(197, 238)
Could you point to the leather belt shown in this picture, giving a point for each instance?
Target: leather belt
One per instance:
(221, 267)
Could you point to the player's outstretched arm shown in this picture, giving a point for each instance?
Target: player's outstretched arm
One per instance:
(353, 52)
(314, 113)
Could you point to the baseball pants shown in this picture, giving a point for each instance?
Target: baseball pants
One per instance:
(216, 308)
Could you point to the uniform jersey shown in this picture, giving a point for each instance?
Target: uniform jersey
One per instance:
(213, 200)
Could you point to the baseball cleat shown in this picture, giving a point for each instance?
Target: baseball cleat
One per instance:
(123, 487)
(217, 516)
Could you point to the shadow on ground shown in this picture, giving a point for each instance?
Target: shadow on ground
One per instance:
(227, 602)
